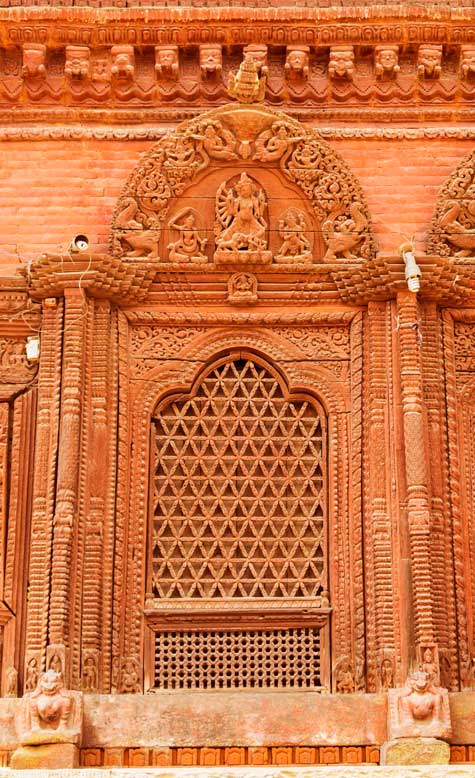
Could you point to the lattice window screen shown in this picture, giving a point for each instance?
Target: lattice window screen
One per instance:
(239, 491)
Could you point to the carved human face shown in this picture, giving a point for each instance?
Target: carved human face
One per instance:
(420, 682)
(388, 59)
(297, 60)
(50, 682)
(210, 59)
(166, 58)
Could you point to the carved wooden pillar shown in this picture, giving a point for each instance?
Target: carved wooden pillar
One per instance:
(99, 471)
(379, 539)
(65, 515)
(441, 540)
(49, 389)
(416, 465)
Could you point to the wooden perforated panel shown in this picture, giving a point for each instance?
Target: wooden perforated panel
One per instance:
(239, 490)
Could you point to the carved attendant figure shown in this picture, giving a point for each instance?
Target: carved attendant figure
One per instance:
(189, 247)
(295, 246)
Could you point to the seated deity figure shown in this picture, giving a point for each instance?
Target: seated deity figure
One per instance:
(50, 714)
(419, 710)
(241, 225)
(295, 244)
(189, 246)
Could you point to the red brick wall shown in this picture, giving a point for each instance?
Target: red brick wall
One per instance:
(52, 190)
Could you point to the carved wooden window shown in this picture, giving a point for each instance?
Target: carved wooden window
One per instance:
(238, 526)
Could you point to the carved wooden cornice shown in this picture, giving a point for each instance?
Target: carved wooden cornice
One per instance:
(449, 281)
(100, 275)
(53, 132)
(81, 64)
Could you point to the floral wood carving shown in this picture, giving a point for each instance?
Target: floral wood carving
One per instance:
(452, 230)
(240, 136)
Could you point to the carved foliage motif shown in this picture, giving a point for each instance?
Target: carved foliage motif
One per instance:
(176, 161)
(453, 225)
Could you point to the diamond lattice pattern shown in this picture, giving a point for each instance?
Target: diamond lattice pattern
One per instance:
(239, 490)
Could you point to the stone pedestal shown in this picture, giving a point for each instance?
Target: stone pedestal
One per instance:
(50, 756)
(417, 750)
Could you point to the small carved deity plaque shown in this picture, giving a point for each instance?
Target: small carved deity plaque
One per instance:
(90, 674)
(386, 61)
(190, 246)
(342, 62)
(420, 709)
(211, 60)
(345, 678)
(241, 225)
(34, 60)
(295, 246)
(50, 714)
(242, 289)
(77, 62)
(123, 62)
(166, 62)
(429, 61)
(297, 63)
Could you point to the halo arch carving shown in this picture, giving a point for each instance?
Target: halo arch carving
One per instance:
(303, 186)
(452, 229)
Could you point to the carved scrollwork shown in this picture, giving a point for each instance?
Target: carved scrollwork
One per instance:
(264, 138)
(452, 230)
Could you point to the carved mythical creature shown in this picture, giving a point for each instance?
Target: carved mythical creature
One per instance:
(246, 85)
(429, 61)
(258, 52)
(276, 143)
(189, 246)
(144, 243)
(342, 62)
(50, 714)
(34, 60)
(467, 61)
(456, 233)
(295, 244)
(341, 237)
(241, 225)
(77, 62)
